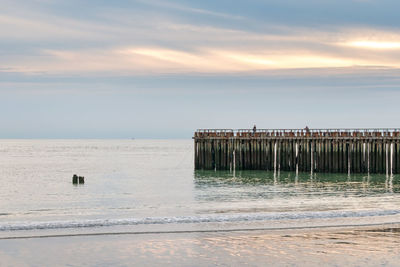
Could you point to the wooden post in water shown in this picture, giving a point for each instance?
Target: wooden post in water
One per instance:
(314, 150)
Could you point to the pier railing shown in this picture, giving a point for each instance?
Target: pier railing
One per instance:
(344, 132)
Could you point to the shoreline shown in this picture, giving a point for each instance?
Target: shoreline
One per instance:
(388, 225)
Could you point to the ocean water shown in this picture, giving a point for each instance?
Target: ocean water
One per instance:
(150, 186)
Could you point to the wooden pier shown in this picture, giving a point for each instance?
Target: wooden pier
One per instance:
(311, 150)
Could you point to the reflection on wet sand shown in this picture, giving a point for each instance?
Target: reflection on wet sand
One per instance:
(316, 247)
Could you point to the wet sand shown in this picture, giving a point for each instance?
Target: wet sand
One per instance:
(346, 246)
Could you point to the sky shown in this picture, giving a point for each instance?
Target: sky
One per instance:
(162, 69)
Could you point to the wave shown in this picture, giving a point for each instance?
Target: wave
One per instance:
(252, 217)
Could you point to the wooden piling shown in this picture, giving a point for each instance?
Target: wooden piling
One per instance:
(316, 150)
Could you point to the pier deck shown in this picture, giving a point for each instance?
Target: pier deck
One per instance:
(311, 150)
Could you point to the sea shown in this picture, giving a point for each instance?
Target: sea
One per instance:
(143, 203)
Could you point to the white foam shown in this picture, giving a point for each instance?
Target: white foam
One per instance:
(249, 217)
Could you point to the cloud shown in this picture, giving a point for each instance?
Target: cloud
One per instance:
(141, 41)
(374, 45)
(153, 60)
(176, 6)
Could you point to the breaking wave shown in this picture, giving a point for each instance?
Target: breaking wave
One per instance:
(249, 217)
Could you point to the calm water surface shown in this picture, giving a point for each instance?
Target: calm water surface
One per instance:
(141, 185)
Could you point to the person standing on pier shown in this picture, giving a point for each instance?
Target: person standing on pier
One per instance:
(254, 129)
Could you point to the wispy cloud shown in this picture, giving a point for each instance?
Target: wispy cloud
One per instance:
(122, 42)
(374, 45)
(171, 5)
(151, 60)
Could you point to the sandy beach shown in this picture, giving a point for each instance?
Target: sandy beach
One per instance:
(346, 246)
